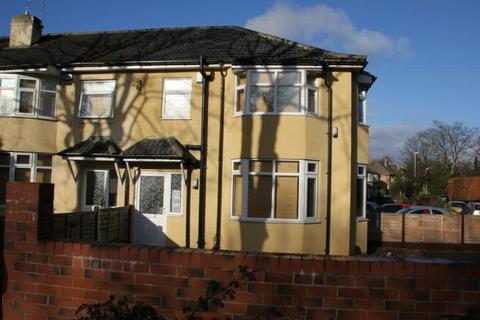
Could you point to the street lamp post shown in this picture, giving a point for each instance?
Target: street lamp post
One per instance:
(415, 175)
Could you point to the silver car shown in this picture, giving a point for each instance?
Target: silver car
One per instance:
(423, 210)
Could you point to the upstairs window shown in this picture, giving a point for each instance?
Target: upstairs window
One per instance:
(177, 96)
(27, 97)
(276, 92)
(362, 107)
(96, 99)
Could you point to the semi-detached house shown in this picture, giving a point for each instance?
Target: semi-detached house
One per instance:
(221, 137)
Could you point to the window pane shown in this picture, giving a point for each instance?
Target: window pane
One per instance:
(43, 176)
(48, 85)
(288, 99)
(176, 193)
(311, 100)
(261, 166)
(177, 85)
(22, 175)
(44, 160)
(95, 192)
(286, 198)
(112, 188)
(151, 194)
(311, 167)
(31, 84)
(260, 196)
(98, 105)
(287, 166)
(241, 78)
(4, 177)
(261, 99)
(311, 195)
(288, 78)
(262, 77)
(7, 99)
(240, 100)
(47, 104)
(8, 83)
(177, 105)
(98, 86)
(26, 102)
(237, 166)
(237, 196)
(360, 197)
(361, 170)
(23, 159)
(5, 158)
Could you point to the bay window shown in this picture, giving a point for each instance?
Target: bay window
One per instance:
(23, 167)
(362, 107)
(27, 97)
(96, 99)
(276, 92)
(361, 191)
(274, 190)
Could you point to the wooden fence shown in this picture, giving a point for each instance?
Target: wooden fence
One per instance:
(104, 225)
(430, 228)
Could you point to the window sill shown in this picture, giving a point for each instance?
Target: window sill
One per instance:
(29, 117)
(362, 219)
(295, 114)
(162, 118)
(275, 221)
(364, 125)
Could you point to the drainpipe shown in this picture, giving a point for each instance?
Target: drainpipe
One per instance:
(328, 82)
(187, 209)
(203, 155)
(220, 160)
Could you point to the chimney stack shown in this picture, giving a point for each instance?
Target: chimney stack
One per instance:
(25, 30)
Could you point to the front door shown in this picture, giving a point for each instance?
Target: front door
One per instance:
(150, 216)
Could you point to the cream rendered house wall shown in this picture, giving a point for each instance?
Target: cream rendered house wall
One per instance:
(137, 115)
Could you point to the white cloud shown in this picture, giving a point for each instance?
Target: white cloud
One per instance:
(328, 25)
(389, 139)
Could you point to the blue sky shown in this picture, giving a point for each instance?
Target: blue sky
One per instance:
(424, 52)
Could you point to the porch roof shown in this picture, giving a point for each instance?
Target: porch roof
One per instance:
(94, 146)
(159, 148)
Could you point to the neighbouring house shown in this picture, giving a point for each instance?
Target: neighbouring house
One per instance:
(464, 189)
(221, 137)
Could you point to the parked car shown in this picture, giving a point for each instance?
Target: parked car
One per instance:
(423, 210)
(459, 207)
(371, 207)
(474, 208)
(391, 208)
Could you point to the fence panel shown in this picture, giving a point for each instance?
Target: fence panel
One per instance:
(104, 225)
(472, 229)
(391, 227)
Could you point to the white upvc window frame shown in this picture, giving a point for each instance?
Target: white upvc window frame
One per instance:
(167, 190)
(187, 92)
(31, 165)
(362, 174)
(362, 106)
(98, 92)
(303, 85)
(37, 95)
(302, 196)
(106, 186)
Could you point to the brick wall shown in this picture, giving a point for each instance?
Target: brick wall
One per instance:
(49, 280)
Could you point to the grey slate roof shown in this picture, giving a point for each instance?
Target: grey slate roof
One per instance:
(94, 146)
(228, 44)
(159, 148)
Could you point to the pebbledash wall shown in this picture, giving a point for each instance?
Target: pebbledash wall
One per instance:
(49, 280)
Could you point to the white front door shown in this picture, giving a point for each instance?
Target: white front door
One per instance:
(151, 213)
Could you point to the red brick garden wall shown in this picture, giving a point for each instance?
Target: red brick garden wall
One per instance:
(49, 280)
